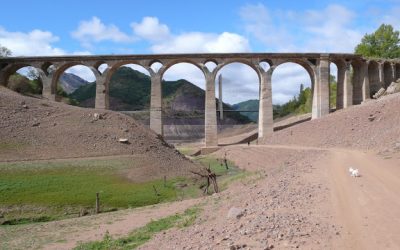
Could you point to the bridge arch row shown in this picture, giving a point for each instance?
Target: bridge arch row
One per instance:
(357, 80)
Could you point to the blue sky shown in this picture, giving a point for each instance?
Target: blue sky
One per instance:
(139, 27)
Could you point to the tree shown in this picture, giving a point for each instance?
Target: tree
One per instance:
(383, 43)
(4, 52)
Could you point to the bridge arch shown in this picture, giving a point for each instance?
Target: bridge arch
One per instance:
(86, 72)
(183, 82)
(129, 89)
(243, 80)
(300, 72)
(26, 78)
(168, 64)
(373, 76)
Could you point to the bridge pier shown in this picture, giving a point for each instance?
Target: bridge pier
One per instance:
(341, 67)
(211, 127)
(156, 123)
(320, 105)
(265, 113)
(348, 87)
(365, 89)
(47, 91)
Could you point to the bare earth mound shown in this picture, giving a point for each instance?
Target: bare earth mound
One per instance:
(372, 125)
(305, 197)
(33, 129)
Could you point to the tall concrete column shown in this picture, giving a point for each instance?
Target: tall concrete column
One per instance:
(47, 91)
(102, 91)
(211, 126)
(320, 105)
(265, 112)
(156, 104)
(365, 82)
(341, 67)
(348, 87)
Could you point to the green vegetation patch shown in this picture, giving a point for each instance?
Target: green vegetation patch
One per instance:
(143, 234)
(67, 187)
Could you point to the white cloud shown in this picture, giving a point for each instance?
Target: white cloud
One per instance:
(95, 30)
(198, 42)
(323, 30)
(83, 72)
(33, 43)
(260, 23)
(330, 30)
(151, 29)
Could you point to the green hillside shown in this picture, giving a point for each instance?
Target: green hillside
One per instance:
(248, 105)
(130, 90)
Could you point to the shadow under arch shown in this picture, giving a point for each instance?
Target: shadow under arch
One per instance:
(387, 74)
(373, 77)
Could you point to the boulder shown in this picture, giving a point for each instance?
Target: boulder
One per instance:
(394, 87)
(380, 93)
(235, 213)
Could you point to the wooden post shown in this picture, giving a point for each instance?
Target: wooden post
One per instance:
(97, 203)
(165, 181)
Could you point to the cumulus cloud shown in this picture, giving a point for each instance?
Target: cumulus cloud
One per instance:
(151, 29)
(33, 43)
(330, 30)
(319, 30)
(198, 42)
(94, 30)
(259, 22)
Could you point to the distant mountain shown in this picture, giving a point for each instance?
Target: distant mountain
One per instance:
(130, 90)
(70, 82)
(249, 105)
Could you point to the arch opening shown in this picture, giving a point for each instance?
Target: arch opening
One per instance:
(24, 80)
(76, 85)
(397, 71)
(387, 74)
(210, 65)
(373, 77)
(291, 90)
(183, 101)
(129, 91)
(237, 89)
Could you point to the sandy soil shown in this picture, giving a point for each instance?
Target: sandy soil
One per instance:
(300, 194)
(34, 129)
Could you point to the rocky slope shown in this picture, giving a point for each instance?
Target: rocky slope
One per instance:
(33, 128)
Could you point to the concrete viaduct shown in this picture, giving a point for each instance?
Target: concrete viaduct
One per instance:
(357, 78)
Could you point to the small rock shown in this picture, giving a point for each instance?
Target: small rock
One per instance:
(25, 106)
(97, 116)
(235, 212)
(371, 118)
(36, 124)
(123, 140)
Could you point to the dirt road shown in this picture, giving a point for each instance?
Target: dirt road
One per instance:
(368, 207)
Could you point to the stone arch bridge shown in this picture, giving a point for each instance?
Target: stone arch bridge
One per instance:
(357, 78)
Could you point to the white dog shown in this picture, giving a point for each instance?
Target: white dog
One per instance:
(354, 172)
